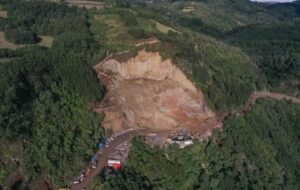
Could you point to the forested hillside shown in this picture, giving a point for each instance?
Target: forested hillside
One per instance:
(228, 49)
(44, 95)
(275, 50)
(271, 42)
(287, 10)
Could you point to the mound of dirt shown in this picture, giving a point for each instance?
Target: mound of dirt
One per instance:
(146, 91)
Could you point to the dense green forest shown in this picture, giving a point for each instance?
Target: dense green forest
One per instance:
(274, 49)
(259, 150)
(48, 131)
(45, 94)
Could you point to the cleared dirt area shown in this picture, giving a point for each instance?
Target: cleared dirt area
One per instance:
(46, 41)
(86, 4)
(188, 9)
(146, 91)
(3, 13)
(5, 44)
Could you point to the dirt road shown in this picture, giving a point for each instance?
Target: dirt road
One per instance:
(102, 160)
(264, 94)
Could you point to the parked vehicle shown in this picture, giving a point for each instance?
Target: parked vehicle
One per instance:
(81, 177)
(94, 165)
(113, 162)
(101, 145)
(94, 158)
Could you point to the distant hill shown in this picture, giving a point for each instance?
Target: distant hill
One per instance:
(287, 10)
(223, 15)
(297, 2)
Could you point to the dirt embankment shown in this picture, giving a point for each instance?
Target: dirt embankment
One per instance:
(146, 91)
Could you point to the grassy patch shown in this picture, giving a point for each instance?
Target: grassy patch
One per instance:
(46, 41)
(116, 31)
(5, 44)
(110, 31)
(11, 155)
(5, 60)
(3, 13)
(147, 25)
(163, 28)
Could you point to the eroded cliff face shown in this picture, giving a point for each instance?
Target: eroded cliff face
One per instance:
(148, 65)
(146, 91)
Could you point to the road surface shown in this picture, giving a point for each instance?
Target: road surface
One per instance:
(102, 160)
(257, 95)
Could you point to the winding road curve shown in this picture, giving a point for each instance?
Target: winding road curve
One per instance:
(264, 94)
(102, 160)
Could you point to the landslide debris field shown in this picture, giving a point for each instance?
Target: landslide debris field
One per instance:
(146, 91)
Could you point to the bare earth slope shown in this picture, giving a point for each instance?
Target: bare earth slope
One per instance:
(146, 91)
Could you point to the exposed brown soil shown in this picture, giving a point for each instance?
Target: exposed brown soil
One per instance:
(14, 178)
(146, 91)
(87, 4)
(42, 183)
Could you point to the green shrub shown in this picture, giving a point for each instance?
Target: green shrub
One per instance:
(21, 36)
(138, 33)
